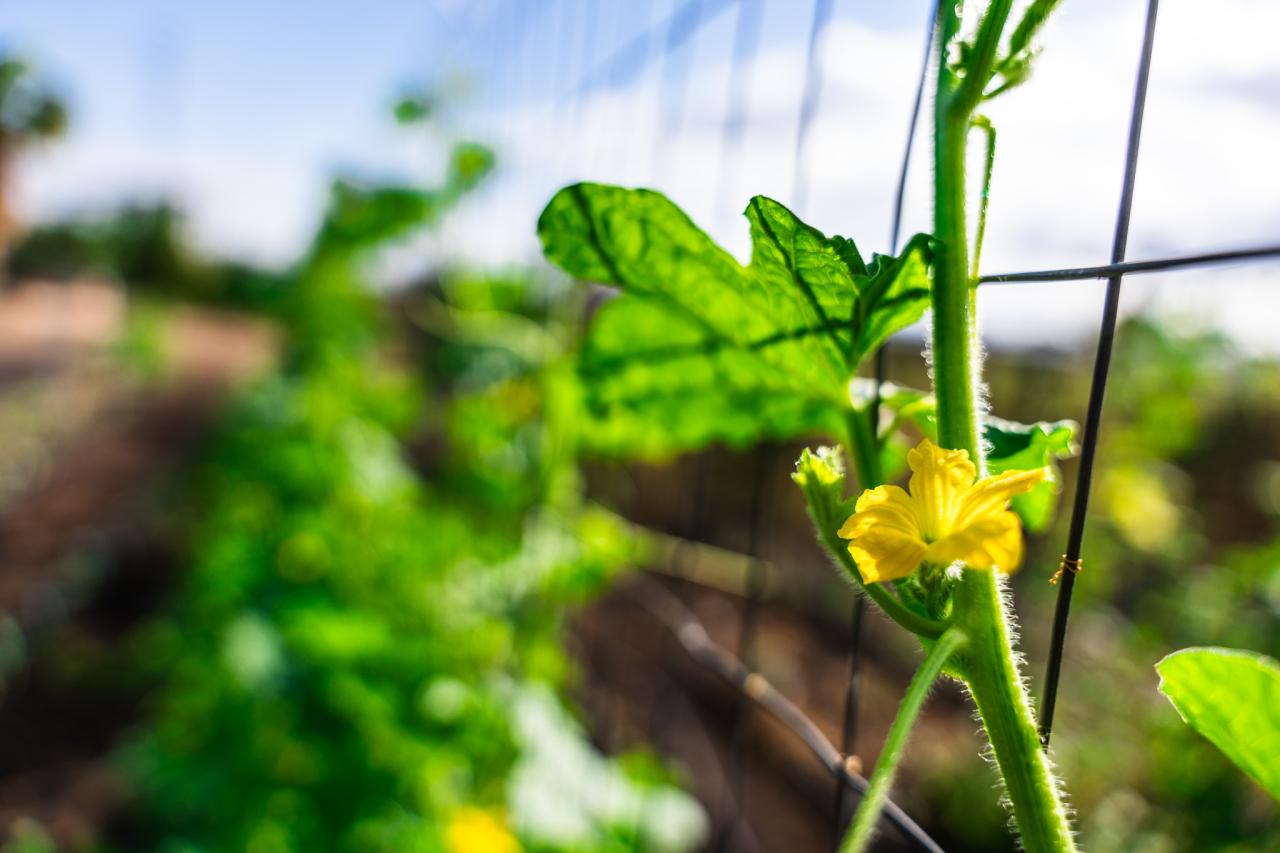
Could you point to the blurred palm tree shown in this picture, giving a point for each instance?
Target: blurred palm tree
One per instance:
(30, 112)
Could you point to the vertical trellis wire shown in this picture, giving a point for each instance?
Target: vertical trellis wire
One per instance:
(1101, 367)
(756, 519)
(809, 101)
(672, 85)
(629, 59)
(849, 734)
(757, 516)
(746, 42)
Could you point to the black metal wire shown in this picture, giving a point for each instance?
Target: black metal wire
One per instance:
(1101, 367)
(1115, 270)
(755, 688)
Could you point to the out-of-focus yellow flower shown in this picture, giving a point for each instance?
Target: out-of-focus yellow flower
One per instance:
(946, 518)
(473, 830)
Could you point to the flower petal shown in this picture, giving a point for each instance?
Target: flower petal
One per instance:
(886, 553)
(939, 478)
(991, 494)
(883, 505)
(992, 541)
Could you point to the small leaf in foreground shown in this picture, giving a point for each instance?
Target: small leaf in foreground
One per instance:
(1231, 697)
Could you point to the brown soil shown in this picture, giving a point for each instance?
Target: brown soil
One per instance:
(82, 555)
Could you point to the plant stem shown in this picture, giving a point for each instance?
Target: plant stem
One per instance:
(864, 446)
(954, 379)
(984, 124)
(888, 602)
(864, 821)
(988, 663)
(994, 682)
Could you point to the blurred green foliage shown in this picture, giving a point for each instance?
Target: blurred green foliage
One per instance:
(29, 108)
(144, 247)
(361, 658)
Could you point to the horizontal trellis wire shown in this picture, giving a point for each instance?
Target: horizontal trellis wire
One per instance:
(1115, 270)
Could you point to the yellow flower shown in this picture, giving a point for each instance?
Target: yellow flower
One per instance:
(473, 830)
(946, 518)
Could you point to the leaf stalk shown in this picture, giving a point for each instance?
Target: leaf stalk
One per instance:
(865, 819)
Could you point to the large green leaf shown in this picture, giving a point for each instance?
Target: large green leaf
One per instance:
(699, 348)
(1231, 697)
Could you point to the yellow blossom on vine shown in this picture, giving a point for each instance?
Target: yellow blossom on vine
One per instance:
(473, 830)
(947, 517)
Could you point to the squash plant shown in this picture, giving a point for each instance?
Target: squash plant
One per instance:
(698, 348)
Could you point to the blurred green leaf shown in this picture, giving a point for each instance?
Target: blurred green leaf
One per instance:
(699, 348)
(1021, 447)
(1231, 697)
(414, 109)
(468, 163)
(361, 217)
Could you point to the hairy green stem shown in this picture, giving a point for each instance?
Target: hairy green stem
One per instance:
(991, 673)
(988, 663)
(988, 165)
(864, 821)
(954, 373)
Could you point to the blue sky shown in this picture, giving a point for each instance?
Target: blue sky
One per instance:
(242, 111)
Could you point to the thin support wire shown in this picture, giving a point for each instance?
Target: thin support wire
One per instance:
(1115, 270)
(673, 85)
(1101, 367)
(850, 730)
(809, 101)
(747, 628)
(625, 63)
(756, 689)
(746, 42)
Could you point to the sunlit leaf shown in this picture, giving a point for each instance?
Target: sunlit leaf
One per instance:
(1231, 697)
(699, 348)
